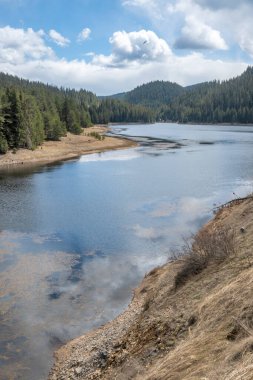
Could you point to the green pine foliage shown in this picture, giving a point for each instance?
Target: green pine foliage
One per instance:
(116, 111)
(3, 141)
(214, 102)
(12, 117)
(154, 94)
(54, 129)
(229, 101)
(31, 112)
(96, 135)
(3, 144)
(70, 116)
(31, 133)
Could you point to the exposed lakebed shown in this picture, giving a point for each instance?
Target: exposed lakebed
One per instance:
(76, 237)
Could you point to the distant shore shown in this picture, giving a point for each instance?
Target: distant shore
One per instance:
(204, 123)
(69, 147)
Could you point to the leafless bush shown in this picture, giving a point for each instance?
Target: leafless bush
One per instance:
(207, 246)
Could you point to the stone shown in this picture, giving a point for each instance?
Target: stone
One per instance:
(78, 370)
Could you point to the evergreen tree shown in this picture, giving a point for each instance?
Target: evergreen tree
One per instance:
(32, 127)
(12, 118)
(3, 141)
(70, 117)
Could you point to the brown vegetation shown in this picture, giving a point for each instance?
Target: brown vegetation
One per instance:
(200, 329)
(208, 246)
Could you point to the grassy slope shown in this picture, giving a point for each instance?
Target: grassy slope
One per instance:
(202, 330)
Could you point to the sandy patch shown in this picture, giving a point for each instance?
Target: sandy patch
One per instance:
(70, 146)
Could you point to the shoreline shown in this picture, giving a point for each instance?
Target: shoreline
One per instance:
(206, 124)
(168, 333)
(69, 147)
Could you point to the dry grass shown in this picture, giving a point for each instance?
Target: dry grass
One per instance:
(207, 247)
(220, 345)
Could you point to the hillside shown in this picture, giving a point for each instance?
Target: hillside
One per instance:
(229, 101)
(215, 102)
(153, 94)
(180, 327)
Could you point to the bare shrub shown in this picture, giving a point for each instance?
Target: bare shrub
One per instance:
(207, 246)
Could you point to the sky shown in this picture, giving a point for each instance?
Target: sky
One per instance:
(111, 46)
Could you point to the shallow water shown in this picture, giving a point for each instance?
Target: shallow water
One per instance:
(77, 237)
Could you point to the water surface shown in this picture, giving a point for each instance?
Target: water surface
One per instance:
(76, 237)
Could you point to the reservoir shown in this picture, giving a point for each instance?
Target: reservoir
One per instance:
(76, 237)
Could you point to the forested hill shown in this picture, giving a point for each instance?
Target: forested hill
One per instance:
(153, 94)
(31, 112)
(229, 101)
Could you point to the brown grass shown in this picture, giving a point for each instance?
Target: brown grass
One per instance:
(208, 246)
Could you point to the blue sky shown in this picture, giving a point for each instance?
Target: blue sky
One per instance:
(110, 46)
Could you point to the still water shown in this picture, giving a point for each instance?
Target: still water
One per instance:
(77, 237)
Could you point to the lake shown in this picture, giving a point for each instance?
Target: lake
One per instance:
(77, 237)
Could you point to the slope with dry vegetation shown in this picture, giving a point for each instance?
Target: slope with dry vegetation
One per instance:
(190, 319)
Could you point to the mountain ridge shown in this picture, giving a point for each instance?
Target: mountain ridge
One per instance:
(228, 101)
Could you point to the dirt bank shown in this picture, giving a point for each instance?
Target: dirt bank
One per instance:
(69, 147)
(201, 330)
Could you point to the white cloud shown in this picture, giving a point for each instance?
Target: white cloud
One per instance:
(148, 233)
(216, 21)
(246, 43)
(217, 4)
(19, 45)
(197, 35)
(58, 38)
(107, 80)
(84, 35)
(149, 6)
(138, 3)
(134, 47)
(24, 53)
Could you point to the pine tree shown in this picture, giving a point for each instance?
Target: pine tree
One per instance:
(32, 130)
(70, 117)
(12, 119)
(3, 141)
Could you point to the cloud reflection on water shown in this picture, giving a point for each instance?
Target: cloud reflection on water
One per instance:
(103, 288)
(116, 155)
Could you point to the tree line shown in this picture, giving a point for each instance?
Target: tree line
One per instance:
(229, 101)
(31, 112)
